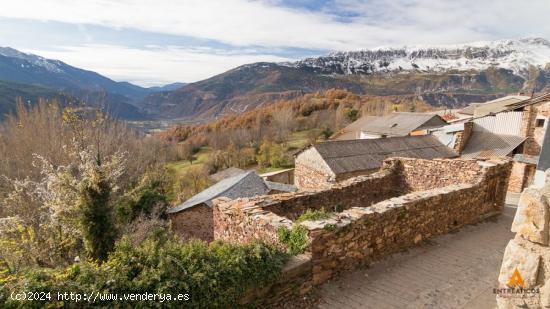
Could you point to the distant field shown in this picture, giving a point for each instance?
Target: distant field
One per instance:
(298, 140)
(180, 167)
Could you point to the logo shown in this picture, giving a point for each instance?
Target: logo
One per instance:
(515, 287)
(516, 281)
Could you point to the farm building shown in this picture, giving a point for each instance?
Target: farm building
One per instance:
(322, 165)
(193, 218)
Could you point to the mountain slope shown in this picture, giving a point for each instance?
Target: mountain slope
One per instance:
(28, 93)
(96, 90)
(240, 89)
(31, 69)
(443, 75)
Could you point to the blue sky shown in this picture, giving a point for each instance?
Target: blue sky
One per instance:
(157, 42)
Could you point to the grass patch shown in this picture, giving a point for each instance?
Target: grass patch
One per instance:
(298, 139)
(314, 215)
(180, 167)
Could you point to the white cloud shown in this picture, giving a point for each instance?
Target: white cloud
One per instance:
(242, 23)
(152, 66)
(245, 24)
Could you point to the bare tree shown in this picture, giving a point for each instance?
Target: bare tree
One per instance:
(284, 123)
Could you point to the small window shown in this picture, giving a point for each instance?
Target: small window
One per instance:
(539, 123)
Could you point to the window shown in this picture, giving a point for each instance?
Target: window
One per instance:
(539, 123)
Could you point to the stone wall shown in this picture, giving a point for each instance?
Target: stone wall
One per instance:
(296, 280)
(543, 112)
(365, 234)
(244, 220)
(530, 145)
(421, 175)
(407, 201)
(285, 176)
(528, 253)
(359, 191)
(518, 177)
(308, 178)
(195, 222)
(462, 137)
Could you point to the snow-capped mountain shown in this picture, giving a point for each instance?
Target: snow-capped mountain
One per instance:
(514, 55)
(54, 66)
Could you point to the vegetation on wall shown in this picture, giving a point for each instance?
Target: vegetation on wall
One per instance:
(295, 239)
(314, 215)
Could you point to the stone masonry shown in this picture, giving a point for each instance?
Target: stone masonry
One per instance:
(194, 223)
(407, 201)
(528, 254)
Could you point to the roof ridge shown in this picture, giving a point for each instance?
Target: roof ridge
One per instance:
(387, 152)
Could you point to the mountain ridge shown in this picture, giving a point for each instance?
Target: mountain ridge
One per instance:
(443, 75)
(18, 68)
(449, 76)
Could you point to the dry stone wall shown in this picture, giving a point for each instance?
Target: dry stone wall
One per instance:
(364, 234)
(430, 196)
(194, 223)
(528, 254)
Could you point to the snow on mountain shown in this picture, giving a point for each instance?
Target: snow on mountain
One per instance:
(515, 55)
(53, 66)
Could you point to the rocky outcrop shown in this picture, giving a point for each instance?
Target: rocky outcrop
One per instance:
(523, 279)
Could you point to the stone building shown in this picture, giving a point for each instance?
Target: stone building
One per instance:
(373, 216)
(193, 218)
(394, 124)
(511, 126)
(322, 165)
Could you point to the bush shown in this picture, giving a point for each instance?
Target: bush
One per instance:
(147, 197)
(296, 239)
(214, 276)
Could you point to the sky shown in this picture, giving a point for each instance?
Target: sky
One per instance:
(156, 42)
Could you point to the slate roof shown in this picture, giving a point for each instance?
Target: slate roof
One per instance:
(402, 124)
(498, 105)
(365, 154)
(247, 184)
(226, 173)
(351, 131)
(486, 145)
(540, 98)
(469, 110)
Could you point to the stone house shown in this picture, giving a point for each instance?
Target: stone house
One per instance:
(322, 165)
(193, 218)
(512, 126)
(392, 125)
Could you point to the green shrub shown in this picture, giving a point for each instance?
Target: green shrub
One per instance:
(214, 276)
(314, 215)
(296, 239)
(143, 199)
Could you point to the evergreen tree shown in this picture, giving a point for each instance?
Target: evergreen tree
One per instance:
(98, 227)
